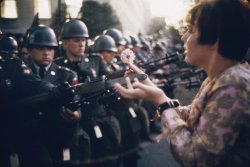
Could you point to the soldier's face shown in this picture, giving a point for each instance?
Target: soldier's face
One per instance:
(108, 56)
(120, 48)
(42, 55)
(75, 46)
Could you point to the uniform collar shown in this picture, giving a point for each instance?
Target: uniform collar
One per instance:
(37, 67)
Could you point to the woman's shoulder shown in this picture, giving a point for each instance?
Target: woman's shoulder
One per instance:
(237, 76)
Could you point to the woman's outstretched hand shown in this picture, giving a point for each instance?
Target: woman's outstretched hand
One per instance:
(146, 89)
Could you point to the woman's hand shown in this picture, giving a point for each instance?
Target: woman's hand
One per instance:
(146, 89)
(136, 70)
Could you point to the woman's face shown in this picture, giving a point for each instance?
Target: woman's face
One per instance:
(195, 53)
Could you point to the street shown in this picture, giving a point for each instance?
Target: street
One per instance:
(156, 155)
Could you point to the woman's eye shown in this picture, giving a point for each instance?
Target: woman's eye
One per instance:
(183, 30)
(190, 29)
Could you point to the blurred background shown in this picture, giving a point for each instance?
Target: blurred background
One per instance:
(130, 16)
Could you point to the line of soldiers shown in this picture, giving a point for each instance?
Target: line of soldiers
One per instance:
(104, 130)
(51, 133)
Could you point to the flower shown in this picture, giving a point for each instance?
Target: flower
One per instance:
(127, 56)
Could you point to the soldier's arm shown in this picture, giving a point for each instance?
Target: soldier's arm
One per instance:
(29, 85)
(205, 143)
(103, 68)
(28, 82)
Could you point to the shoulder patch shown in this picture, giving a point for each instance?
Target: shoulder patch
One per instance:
(61, 59)
(68, 70)
(25, 69)
(64, 68)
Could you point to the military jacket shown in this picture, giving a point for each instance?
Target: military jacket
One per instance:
(89, 67)
(56, 132)
(57, 74)
(16, 82)
(214, 130)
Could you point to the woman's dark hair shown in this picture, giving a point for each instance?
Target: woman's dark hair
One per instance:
(225, 21)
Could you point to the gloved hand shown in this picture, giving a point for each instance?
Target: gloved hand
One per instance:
(73, 105)
(62, 94)
(69, 115)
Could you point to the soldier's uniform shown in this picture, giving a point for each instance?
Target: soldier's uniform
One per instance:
(16, 83)
(65, 140)
(59, 135)
(103, 128)
(124, 110)
(94, 116)
(18, 125)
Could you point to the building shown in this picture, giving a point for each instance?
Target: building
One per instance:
(16, 16)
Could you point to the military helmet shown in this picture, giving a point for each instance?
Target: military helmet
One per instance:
(116, 35)
(135, 41)
(74, 29)
(42, 36)
(128, 41)
(104, 43)
(8, 45)
(145, 45)
(158, 47)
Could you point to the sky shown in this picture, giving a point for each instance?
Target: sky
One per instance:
(173, 10)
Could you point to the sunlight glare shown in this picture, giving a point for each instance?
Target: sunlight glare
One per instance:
(73, 7)
(172, 10)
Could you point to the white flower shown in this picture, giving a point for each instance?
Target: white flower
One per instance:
(127, 56)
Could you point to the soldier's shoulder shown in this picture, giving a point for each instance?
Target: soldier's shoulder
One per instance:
(65, 69)
(60, 59)
(94, 56)
(14, 61)
(66, 74)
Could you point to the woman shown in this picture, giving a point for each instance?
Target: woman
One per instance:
(214, 130)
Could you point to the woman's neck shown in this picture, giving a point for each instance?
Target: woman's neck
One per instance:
(217, 65)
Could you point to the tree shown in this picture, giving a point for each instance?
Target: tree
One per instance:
(34, 24)
(59, 18)
(98, 17)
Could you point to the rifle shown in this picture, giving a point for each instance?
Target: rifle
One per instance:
(190, 79)
(151, 66)
(198, 73)
(84, 89)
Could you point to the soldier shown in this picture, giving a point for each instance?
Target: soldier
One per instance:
(120, 43)
(42, 44)
(19, 142)
(136, 48)
(105, 46)
(103, 128)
